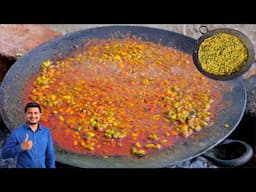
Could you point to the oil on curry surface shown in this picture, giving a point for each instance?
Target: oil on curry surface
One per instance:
(121, 97)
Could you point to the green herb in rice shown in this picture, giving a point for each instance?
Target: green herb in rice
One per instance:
(222, 54)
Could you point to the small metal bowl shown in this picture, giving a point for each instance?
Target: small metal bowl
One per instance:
(243, 38)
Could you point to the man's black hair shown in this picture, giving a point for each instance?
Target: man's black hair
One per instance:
(32, 104)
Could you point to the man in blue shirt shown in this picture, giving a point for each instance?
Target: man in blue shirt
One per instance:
(31, 142)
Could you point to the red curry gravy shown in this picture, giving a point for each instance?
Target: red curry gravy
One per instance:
(119, 97)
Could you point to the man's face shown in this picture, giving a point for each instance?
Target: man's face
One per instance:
(33, 115)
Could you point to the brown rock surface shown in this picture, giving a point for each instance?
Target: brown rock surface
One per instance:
(16, 39)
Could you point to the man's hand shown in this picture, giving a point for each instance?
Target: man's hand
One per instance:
(26, 144)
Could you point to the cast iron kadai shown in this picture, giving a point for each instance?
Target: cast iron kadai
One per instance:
(244, 39)
(15, 80)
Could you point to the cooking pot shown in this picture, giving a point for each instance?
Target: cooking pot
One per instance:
(16, 78)
(244, 40)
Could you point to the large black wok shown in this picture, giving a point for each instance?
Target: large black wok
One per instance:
(16, 78)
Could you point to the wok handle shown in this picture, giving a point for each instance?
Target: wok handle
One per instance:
(203, 29)
(238, 161)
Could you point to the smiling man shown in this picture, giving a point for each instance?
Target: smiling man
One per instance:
(31, 142)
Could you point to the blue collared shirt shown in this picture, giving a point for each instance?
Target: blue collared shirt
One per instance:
(41, 155)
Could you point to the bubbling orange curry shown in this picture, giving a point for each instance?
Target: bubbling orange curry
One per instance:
(120, 97)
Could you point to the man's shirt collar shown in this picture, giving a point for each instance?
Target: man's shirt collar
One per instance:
(39, 127)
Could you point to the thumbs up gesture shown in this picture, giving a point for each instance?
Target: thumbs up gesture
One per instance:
(26, 144)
